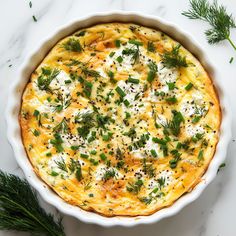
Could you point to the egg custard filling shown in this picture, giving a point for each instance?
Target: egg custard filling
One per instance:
(120, 119)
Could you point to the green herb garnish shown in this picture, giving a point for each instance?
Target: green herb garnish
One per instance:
(221, 166)
(119, 59)
(73, 45)
(216, 15)
(188, 86)
(135, 187)
(61, 165)
(103, 156)
(173, 162)
(152, 71)
(148, 168)
(61, 127)
(174, 125)
(200, 155)
(117, 43)
(109, 174)
(171, 100)
(154, 153)
(132, 80)
(84, 156)
(34, 18)
(151, 47)
(174, 59)
(46, 77)
(120, 91)
(57, 142)
(20, 209)
(135, 42)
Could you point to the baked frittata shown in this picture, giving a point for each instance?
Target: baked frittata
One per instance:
(120, 119)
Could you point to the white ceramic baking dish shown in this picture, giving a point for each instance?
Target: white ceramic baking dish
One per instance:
(14, 133)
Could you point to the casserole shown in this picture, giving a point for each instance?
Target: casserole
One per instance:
(14, 104)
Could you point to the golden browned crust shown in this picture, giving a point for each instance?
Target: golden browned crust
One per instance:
(131, 172)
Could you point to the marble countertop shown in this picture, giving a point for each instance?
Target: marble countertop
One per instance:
(212, 214)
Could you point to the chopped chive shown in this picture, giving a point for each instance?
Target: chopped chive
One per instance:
(93, 152)
(111, 76)
(119, 59)
(117, 43)
(132, 80)
(188, 86)
(107, 137)
(91, 139)
(36, 133)
(85, 156)
(135, 42)
(30, 4)
(48, 154)
(127, 115)
(78, 173)
(74, 148)
(154, 153)
(120, 91)
(93, 161)
(171, 85)
(36, 113)
(103, 156)
(231, 60)
(126, 102)
(171, 100)
(34, 18)
(151, 76)
(221, 166)
(200, 155)
(111, 54)
(196, 119)
(160, 141)
(67, 81)
(54, 173)
(179, 145)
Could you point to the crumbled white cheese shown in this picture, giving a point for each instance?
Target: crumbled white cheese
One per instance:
(59, 83)
(166, 75)
(192, 130)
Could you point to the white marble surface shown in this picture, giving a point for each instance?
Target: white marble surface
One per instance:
(213, 214)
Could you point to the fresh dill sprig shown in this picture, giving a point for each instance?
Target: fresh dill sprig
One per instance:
(173, 58)
(87, 121)
(46, 78)
(62, 102)
(20, 209)
(216, 15)
(174, 125)
(110, 173)
(134, 52)
(73, 45)
(62, 165)
(148, 169)
(61, 127)
(135, 187)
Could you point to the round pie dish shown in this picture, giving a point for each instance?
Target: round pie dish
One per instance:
(14, 130)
